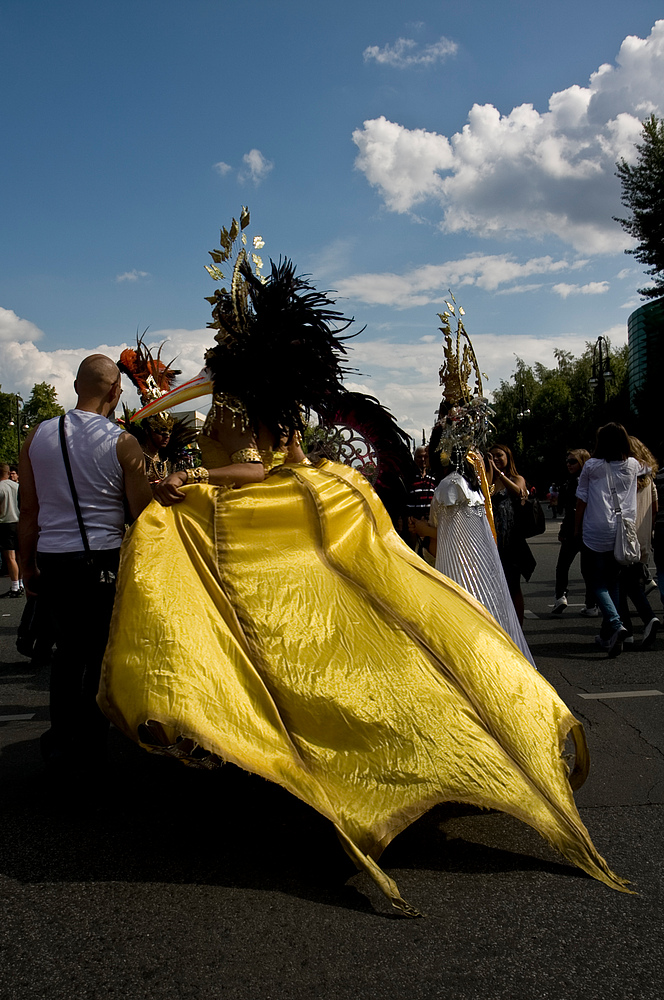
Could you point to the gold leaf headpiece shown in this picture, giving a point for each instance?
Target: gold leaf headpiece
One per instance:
(459, 365)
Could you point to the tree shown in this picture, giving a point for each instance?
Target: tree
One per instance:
(41, 405)
(643, 195)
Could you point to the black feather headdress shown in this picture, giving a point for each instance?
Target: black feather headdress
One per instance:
(280, 343)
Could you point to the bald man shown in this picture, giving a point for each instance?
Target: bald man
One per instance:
(73, 567)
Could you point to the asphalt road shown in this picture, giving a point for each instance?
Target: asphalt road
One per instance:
(156, 881)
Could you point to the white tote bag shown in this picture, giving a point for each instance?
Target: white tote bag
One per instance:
(626, 549)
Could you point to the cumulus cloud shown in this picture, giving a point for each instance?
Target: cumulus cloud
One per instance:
(132, 275)
(430, 283)
(23, 363)
(527, 172)
(404, 376)
(222, 168)
(405, 53)
(13, 328)
(256, 166)
(592, 288)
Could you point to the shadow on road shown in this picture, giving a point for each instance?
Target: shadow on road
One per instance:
(151, 819)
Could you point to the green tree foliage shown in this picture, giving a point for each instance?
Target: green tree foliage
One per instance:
(565, 411)
(41, 405)
(643, 195)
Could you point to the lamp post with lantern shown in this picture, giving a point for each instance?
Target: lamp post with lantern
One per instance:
(601, 371)
(19, 423)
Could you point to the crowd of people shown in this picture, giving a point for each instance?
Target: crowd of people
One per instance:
(587, 506)
(265, 612)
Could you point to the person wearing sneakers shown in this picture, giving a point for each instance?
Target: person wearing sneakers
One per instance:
(633, 578)
(570, 543)
(9, 529)
(612, 465)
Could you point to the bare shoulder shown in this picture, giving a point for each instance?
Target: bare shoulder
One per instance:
(128, 448)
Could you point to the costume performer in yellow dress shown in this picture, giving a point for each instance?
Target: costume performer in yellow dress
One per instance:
(289, 630)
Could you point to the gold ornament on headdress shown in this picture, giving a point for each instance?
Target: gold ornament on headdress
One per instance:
(228, 333)
(458, 365)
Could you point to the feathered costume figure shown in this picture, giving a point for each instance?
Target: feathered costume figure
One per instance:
(282, 625)
(162, 437)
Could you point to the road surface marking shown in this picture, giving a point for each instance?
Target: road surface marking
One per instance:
(622, 694)
(16, 718)
(530, 614)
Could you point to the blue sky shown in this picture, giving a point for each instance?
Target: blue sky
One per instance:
(392, 155)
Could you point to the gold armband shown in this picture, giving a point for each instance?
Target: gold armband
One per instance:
(246, 455)
(199, 475)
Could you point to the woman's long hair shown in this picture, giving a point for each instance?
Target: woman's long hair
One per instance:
(644, 455)
(512, 471)
(580, 454)
(613, 443)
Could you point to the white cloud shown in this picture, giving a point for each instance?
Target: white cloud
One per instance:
(257, 166)
(222, 168)
(13, 328)
(592, 288)
(23, 363)
(430, 283)
(132, 275)
(405, 53)
(404, 376)
(527, 172)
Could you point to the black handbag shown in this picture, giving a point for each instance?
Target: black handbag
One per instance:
(531, 518)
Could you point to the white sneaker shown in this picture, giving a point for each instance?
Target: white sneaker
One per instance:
(649, 633)
(590, 612)
(559, 606)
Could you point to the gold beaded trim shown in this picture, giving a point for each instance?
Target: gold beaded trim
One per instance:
(246, 455)
(199, 475)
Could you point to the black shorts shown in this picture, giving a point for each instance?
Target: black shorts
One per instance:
(9, 536)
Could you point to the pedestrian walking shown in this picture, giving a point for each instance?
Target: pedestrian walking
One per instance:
(571, 544)
(611, 468)
(9, 531)
(633, 578)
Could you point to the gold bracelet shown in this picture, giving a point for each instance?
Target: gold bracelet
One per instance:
(246, 455)
(199, 475)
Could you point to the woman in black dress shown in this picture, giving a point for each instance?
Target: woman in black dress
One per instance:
(509, 493)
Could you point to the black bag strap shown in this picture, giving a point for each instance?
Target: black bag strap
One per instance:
(74, 495)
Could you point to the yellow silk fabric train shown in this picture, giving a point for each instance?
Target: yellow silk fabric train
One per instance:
(285, 627)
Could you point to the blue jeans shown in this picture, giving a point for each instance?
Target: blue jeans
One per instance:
(604, 575)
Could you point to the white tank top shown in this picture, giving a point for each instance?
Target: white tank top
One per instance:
(98, 477)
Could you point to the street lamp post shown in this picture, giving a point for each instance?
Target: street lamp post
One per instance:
(601, 373)
(17, 424)
(523, 403)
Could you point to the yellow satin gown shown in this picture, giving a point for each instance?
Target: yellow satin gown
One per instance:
(286, 627)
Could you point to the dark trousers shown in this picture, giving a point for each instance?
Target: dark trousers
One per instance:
(569, 547)
(78, 595)
(633, 586)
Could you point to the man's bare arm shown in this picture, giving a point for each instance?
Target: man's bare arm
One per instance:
(28, 521)
(136, 485)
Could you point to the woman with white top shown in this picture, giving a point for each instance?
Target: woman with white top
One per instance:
(612, 466)
(462, 540)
